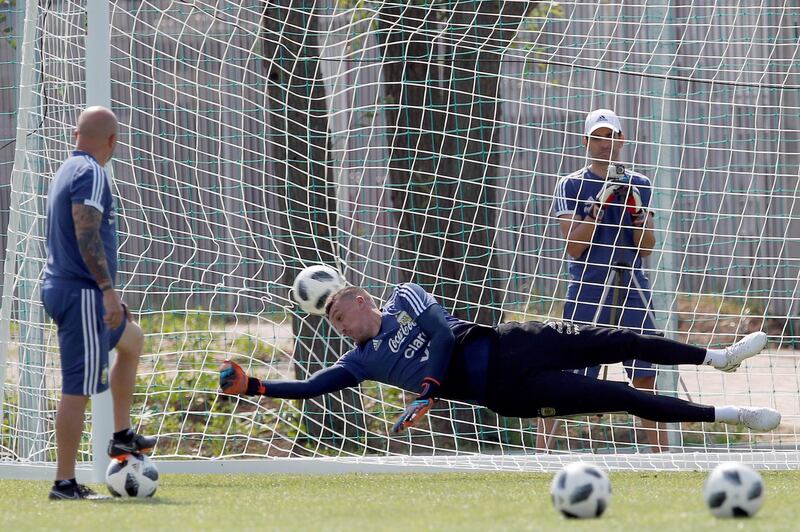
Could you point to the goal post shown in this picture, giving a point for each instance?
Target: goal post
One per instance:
(402, 142)
(98, 92)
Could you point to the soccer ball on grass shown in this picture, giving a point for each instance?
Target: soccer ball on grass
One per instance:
(313, 286)
(734, 490)
(133, 475)
(581, 490)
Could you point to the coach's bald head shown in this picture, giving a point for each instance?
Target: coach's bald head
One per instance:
(96, 133)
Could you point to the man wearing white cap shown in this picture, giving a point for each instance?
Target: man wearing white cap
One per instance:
(602, 210)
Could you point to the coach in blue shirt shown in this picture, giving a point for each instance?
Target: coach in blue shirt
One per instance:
(515, 369)
(607, 234)
(79, 294)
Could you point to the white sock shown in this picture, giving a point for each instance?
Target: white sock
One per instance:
(715, 357)
(726, 414)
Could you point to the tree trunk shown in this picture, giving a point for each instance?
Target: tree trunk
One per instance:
(300, 151)
(415, 116)
(480, 32)
(444, 116)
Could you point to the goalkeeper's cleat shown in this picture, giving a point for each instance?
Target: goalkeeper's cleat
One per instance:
(747, 347)
(759, 419)
(75, 492)
(137, 445)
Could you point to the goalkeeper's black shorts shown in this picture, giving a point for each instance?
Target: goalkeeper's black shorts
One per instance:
(526, 374)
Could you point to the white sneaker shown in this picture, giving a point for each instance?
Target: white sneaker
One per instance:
(759, 419)
(747, 347)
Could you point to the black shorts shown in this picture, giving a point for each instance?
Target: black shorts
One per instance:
(526, 375)
(520, 352)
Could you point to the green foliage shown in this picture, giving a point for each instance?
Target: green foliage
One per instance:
(177, 388)
(170, 322)
(724, 304)
(710, 434)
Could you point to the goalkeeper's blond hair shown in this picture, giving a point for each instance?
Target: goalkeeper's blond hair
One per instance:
(347, 293)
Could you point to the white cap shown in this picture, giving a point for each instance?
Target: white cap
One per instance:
(602, 118)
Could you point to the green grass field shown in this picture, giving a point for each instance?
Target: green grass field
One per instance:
(502, 501)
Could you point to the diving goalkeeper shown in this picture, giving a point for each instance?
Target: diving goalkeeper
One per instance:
(514, 369)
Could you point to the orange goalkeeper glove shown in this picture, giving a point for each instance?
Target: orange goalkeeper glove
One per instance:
(413, 413)
(234, 381)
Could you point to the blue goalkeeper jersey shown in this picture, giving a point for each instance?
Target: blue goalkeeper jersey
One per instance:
(613, 239)
(80, 179)
(399, 353)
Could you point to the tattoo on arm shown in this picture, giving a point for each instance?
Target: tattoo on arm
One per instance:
(87, 231)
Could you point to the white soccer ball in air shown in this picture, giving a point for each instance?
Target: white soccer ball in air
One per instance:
(133, 475)
(581, 490)
(734, 490)
(313, 286)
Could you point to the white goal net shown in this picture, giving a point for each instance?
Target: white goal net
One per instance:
(408, 141)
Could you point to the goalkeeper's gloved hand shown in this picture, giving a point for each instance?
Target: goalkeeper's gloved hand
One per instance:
(234, 381)
(417, 410)
(413, 413)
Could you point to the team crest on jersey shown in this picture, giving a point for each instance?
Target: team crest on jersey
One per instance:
(403, 318)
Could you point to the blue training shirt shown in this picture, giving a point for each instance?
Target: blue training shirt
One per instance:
(399, 353)
(613, 238)
(80, 179)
